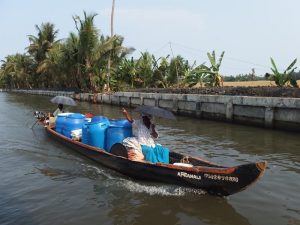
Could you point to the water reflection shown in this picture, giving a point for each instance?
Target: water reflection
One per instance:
(142, 208)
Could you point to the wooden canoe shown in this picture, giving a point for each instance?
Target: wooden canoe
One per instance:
(212, 178)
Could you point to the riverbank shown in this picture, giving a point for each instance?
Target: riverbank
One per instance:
(268, 112)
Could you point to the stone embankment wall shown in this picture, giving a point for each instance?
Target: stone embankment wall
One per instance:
(269, 112)
(43, 92)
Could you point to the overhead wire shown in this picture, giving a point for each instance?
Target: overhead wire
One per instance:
(231, 58)
(202, 54)
(161, 48)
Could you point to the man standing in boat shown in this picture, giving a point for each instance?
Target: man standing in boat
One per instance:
(142, 146)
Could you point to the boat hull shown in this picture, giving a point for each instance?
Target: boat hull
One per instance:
(214, 179)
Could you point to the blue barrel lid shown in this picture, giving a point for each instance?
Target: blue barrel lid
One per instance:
(99, 119)
(120, 123)
(64, 114)
(76, 116)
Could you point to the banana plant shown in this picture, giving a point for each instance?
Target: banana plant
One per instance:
(284, 78)
(197, 75)
(214, 75)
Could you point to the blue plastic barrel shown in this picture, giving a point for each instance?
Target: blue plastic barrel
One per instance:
(72, 122)
(117, 131)
(85, 137)
(94, 132)
(60, 121)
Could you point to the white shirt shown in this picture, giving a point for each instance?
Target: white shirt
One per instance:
(142, 133)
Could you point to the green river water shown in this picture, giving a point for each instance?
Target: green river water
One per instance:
(43, 182)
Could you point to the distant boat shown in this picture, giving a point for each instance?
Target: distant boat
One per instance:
(183, 170)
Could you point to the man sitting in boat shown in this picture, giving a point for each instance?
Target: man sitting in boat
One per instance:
(52, 117)
(58, 110)
(142, 146)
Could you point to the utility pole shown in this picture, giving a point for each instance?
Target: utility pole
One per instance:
(111, 35)
(112, 19)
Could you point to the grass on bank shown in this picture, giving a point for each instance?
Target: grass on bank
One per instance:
(259, 83)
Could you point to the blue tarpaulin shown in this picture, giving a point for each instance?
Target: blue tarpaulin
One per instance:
(156, 154)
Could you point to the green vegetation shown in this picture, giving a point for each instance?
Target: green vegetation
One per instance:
(208, 75)
(78, 62)
(285, 78)
(89, 61)
(244, 77)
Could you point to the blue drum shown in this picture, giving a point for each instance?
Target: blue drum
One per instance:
(60, 121)
(117, 131)
(73, 122)
(94, 132)
(85, 138)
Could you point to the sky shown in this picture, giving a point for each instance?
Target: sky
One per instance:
(249, 31)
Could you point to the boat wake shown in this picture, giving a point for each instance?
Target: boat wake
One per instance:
(94, 172)
(162, 190)
(114, 180)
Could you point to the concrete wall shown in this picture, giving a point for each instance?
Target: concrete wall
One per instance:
(269, 112)
(42, 92)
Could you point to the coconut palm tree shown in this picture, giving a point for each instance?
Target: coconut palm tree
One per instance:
(42, 43)
(94, 50)
(8, 68)
(88, 39)
(39, 47)
(117, 55)
(70, 63)
(2, 78)
(16, 70)
(52, 66)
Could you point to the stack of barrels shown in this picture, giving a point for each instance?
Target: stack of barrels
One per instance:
(97, 131)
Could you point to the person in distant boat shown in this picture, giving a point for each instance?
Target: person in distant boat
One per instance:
(142, 146)
(58, 110)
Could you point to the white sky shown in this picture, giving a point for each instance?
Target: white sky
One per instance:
(249, 31)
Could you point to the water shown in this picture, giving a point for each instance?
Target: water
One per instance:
(43, 182)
